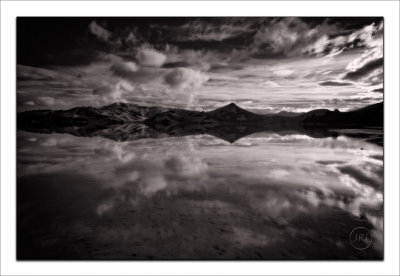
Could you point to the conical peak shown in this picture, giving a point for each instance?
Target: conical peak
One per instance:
(232, 106)
(116, 104)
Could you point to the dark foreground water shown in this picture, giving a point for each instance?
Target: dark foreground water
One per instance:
(266, 196)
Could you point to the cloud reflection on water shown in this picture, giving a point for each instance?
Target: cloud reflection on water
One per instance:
(278, 179)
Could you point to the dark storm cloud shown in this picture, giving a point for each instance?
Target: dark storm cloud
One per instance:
(376, 78)
(380, 90)
(364, 70)
(176, 64)
(259, 37)
(287, 36)
(32, 73)
(297, 37)
(204, 45)
(330, 162)
(222, 34)
(334, 83)
(43, 41)
(372, 179)
(266, 38)
(378, 157)
(221, 67)
(268, 54)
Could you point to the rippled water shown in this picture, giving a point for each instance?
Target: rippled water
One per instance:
(265, 196)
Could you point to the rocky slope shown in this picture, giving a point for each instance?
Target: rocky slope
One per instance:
(127, 122)
(116, 113)
(164, 120)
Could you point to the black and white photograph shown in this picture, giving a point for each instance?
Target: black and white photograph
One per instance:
(200, 138)
(220, 137)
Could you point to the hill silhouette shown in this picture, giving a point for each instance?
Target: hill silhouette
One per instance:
(125, 122)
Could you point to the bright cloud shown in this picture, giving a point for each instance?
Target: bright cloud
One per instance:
(185, 78)
(150, 57)
(99, 31)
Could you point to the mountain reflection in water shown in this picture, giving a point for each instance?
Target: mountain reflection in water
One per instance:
(270, 195)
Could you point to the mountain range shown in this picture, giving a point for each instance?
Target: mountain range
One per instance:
(124, 121)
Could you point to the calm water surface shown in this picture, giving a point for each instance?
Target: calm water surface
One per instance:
(266, 196)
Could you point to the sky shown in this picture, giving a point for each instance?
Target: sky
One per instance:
(263, 64)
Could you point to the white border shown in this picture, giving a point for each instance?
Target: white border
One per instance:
(9, 11)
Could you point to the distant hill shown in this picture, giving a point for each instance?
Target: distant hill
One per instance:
(228, 114)
(116, 113)
(126, 122)
(234, 113)
(165, 119)
(369, 116)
